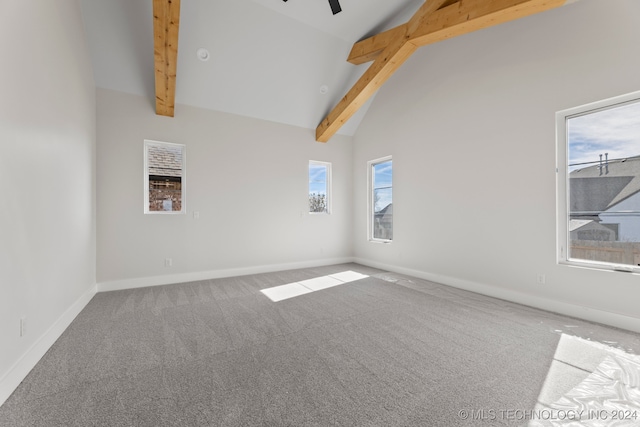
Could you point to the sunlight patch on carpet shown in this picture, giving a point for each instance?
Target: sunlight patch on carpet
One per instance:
(590, 384)
(290, 290)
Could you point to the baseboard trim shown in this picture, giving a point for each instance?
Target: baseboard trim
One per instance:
(561, 307)
(144, 282)
(16, 374)
(19, 371)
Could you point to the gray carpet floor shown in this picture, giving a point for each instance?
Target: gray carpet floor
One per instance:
(387, 350)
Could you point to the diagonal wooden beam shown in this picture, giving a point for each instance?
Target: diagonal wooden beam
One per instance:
(471, 15)
(392, 57)
(166, 23)
(436, 20)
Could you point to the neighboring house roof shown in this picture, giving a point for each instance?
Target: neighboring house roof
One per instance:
(387, 210)
(165, 161)
(596, 191)
(591, 230)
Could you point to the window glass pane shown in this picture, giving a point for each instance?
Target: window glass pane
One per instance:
(382, 200)
(604, 185)
(165, 177)
(318, 187)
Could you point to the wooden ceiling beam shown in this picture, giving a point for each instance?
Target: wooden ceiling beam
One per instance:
(397, 51)
(166, 23)
(391, 58)
(436, 20)
(368, 49)
(467, 16)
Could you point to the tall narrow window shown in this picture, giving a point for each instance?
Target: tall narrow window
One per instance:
(319, 187)
(164, 177)
(599, 184)
(381, 199)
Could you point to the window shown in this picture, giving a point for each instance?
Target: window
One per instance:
(381, 199)
(599, 184)
(164, 177)
(319, 187)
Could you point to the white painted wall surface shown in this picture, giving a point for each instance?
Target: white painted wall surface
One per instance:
(47, 171)
(247, 179)
(470, 123)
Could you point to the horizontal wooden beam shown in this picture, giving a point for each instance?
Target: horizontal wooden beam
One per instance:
(436, 20)
(368, 49)
(166, 23)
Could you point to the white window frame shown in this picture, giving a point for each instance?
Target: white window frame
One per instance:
(183, 178)
(327, 165)
(370, 199)
(562, 181)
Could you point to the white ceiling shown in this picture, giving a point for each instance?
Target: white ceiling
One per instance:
(268, 58)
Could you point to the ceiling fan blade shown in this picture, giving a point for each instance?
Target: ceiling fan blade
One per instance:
(335, 6)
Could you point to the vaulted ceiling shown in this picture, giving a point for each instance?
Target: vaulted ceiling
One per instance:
(283, 61)
(268, 58)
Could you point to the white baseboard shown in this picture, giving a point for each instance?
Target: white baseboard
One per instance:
(19, 371)
(561, 307)
(142, 282)
(16, 374)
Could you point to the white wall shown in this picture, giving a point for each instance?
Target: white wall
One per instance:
(47, 171)
(471, 127)
(247, 178)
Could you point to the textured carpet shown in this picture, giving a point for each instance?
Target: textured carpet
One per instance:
(387, 350)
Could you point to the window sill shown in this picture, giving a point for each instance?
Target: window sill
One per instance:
(614, 268)
(165, 213)
(380, 241)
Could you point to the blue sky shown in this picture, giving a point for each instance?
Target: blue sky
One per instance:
(615, 131)
(317, 179)
(383, 178)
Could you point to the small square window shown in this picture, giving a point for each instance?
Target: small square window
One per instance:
(164, 177)
(319, 187)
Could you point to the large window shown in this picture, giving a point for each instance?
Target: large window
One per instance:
(164, 177)
(319, 187)
(599, 184)
(381, 199)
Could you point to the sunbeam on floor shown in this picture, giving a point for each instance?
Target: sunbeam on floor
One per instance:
(589, 384)
(290, 290)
